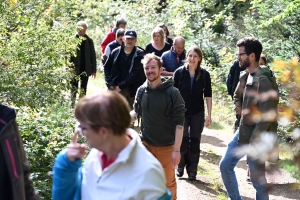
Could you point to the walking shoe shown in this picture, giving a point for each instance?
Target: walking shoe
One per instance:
(192, 176)
(179, 172)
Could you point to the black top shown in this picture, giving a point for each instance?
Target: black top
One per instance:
(233, 77)
(193, 95)
(124, 60)
(151, 49)
(82, 55)
(170, 41)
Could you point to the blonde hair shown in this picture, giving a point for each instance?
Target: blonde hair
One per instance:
(161, 33)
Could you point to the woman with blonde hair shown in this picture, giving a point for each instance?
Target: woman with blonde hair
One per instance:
(167, 33)
(158, 44)
(194, 84)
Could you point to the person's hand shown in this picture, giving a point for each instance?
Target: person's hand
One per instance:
(117, 89)
(112, 87)
(175, 158)
(75, 150)
(238, 110)
(208, 121)
(93, 75)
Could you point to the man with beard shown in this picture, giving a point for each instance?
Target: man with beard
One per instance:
(255, 100)
(123, 69)
(162, 109)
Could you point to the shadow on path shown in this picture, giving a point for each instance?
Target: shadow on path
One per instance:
(284, 190)
(203, 186)
(212, 141)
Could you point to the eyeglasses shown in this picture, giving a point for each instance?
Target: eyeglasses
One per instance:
(240, 54)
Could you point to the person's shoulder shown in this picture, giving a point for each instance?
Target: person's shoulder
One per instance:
(167, 45)
(116, 50)
(166, 53)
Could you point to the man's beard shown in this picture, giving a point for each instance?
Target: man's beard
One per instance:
(245, 64)
(154, 79)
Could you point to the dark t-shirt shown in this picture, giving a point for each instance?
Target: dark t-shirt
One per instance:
(151, 49)
(124, 62)
(5, 184)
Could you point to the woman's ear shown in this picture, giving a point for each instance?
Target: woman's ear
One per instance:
(103, 131)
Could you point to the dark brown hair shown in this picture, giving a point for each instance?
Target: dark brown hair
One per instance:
(107, 109)
(198, 51)
(252, 45)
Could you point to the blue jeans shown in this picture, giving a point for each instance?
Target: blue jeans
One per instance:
(257, 173)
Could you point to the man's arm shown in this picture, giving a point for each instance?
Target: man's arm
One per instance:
(264, 106)
(178, 139)
(107, 70)
(178, 117)
(93, 59)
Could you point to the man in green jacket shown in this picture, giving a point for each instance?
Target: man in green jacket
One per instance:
(256, 98)
(162, 118)
(15, 183)
(84, 61)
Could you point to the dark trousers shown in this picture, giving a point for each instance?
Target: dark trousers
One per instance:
(83, 78)
(190, 146)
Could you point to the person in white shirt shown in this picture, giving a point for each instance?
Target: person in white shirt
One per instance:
(118, 165)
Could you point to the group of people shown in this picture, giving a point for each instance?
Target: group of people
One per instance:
(167, 91)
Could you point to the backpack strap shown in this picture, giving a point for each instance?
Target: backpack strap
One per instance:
(181, 74)
(169, 101)
(139, 99)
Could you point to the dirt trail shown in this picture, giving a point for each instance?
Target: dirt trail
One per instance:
(213, 145)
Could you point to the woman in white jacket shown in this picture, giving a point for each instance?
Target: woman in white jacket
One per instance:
(118, 165)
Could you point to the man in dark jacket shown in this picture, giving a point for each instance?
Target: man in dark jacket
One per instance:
(84, 61)
(15, 183)
(174, 58)
(258, 107)
(123, 70)
(233, 77)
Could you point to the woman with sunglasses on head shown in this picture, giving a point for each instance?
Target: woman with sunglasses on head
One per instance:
(118, 165)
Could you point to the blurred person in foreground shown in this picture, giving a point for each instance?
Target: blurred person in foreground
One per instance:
(15, 182)
(256, 99)
(118, 165)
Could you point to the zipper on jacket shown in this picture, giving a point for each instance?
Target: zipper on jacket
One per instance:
(12, 159)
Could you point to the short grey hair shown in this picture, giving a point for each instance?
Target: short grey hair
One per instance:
(82, 23)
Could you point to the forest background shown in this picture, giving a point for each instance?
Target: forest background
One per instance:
(37, 40)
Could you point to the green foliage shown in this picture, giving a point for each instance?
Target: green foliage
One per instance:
(34, 56)
(45, 134)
